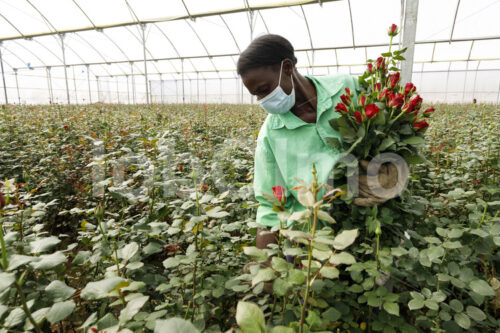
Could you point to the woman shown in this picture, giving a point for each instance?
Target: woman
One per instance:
(294, 135)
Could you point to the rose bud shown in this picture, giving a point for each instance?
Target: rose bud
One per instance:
(362, 100)
(2, 201)
(420, 125)
(371, 110)
(413, 105)
(279, 193)
(397, 101)
(383, 95)
(370, 68)
(358, 116)
(380, 63)
(348, 92)
(474, 101)
(393, 30)
(377, 86)
(393, 80)
(428, 112)
(345, 99)
(409, 88)
(340, 108)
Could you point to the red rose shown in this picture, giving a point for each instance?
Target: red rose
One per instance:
(345, 99)
(362, 100)
(409, 88)
(428, 112)
(370, 68)
(358, 116)
(474, 101)
(396, 101)
(383, 95)
(377, 86)
(393, 30)
(371, 110)
(413, 105)
(180, 167)
(340, 107)
(393, 80)
(380, 63)
(348, 92)
(420, 125)
(279, 193)
(2, 201)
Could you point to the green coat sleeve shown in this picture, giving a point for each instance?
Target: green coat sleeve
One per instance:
(266, 176)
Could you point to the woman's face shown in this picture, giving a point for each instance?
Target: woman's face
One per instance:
(261, 81)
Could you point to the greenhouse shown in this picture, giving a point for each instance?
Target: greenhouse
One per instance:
(249, 166)
(173, 51)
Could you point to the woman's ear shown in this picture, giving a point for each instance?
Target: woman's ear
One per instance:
(288, 67)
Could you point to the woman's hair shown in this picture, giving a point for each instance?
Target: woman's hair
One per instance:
(264, 51)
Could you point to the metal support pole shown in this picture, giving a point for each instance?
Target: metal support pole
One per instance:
(74, 84)
(475, 77)
(128, 90)
(447, 80)
(49, 85)
(182, 67)
(132, 81)
(3, 77)
(65, 69)
(409, 32)
(117, 90)
(205, 90)
(465, 80)
(17, 86)
(143, 27)
(150, 93)
(176, 92)
(88, 82)
(161, 89)
(197, 88)
(220, 89)
(98, 89)
(498, 94)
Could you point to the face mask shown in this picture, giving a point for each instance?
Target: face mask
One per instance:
(277, 101)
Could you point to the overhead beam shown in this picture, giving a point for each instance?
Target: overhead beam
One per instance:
(409, 33)
(173, 18)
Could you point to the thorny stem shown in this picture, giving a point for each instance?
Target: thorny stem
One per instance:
(25, 306)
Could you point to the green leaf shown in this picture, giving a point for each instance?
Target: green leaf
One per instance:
(391, 308)
(416, 304)
(44, 244)
(171, 262)
(386, 143)
(14, 318)
(100, 289)
(217, 213)
(18, 260)
(296, 276)
(255, 253)
(324, 216)
(49, 261)
(414, 140)
(331, 314)
(321, 255)
(279, 264)
(39, 315)
(107, 321)
(59, 291)
(342, 258)
(80, 258)
(475, 313)
(263, 275)
(313, 319)
(373, 300)
(132, 308)
(482, 288)
(6, 280)
(60, 311)
(334, 142)
(431, 304)
(329, 272)
(250, 318)
(345, 238)
(462, 320)
(281, 287)
(281, 329)
(456, 305)
(128, 251)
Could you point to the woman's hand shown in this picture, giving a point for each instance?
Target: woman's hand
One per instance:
(378, 187)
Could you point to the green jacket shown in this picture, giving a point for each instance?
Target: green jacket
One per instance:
(287, 147)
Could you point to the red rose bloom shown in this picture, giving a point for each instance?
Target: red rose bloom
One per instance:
(428, 112)
(371, 110)
(362, 100)
(2, 201)
(420, 125)
(383, 95)
(393, 30)
(340, 108)
(370, 68)
(413, 105)
(377, 86)
(348, 92)
(409, 88)
(279, 193)
(345, 99)
(393, 80)
(380, 63)
(358, 116)
(397, 100)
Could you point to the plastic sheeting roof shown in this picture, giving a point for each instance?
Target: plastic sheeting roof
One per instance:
(200, 37)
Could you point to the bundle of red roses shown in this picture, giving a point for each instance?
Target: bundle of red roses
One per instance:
(386, 116)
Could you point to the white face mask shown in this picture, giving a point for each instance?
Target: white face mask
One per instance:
(277, 101)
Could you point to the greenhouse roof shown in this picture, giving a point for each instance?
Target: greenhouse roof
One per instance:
(204, 38)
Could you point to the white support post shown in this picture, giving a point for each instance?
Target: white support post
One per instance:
(65, 69)
(128, 90)
(409, 32)
(88, 83)
(117, 90)
(74, 84)
(49, 85)
(3, 77)
(161, 89)
(98, 89)
(132, 81)
(143, 27)
(205, 90)
(17, 86)
(182, 67)
(197, 88)
(465, 80)
(220, 89)
(498, 93)
(176, 93)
